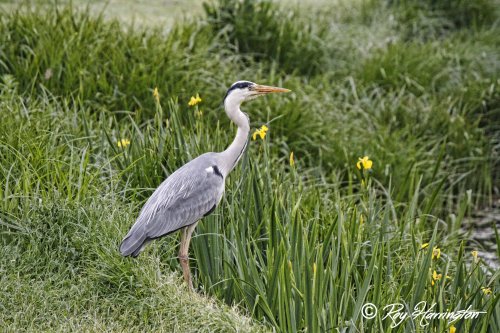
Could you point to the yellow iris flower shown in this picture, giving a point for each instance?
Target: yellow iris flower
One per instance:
(156, 94)
(424, 246)
(452, 329)
(436, 253)
(260, 132)
(292, 161)
(123, 143)
(436, 277)
(194, 100)
(365, 162)
(486, 291)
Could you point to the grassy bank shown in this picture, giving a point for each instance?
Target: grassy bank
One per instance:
(296, 247)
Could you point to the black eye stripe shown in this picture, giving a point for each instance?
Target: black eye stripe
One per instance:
(241, 85)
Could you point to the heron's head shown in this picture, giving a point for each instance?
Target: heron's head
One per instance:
(242, 91)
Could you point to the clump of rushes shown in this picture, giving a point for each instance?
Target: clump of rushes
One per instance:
(263, 31)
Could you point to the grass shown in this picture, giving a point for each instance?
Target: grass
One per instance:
(294, 248)
(159, 13)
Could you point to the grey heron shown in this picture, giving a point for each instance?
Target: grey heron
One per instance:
(194, 190)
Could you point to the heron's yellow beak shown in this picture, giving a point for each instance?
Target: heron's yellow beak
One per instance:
(268, 89)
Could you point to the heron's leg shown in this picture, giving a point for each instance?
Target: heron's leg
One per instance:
(184, 251)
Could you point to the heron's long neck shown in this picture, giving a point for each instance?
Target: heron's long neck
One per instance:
(232, 154)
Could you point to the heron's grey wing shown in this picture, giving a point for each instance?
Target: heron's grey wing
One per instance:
(190, 195)
(182, 199)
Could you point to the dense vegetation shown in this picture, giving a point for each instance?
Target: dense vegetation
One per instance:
(413, 85)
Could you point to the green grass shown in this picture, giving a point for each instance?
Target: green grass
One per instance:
(293, 248)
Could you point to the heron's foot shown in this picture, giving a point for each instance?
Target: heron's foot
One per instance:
(184, 260)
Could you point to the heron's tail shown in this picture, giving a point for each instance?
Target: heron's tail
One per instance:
(133, 244)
